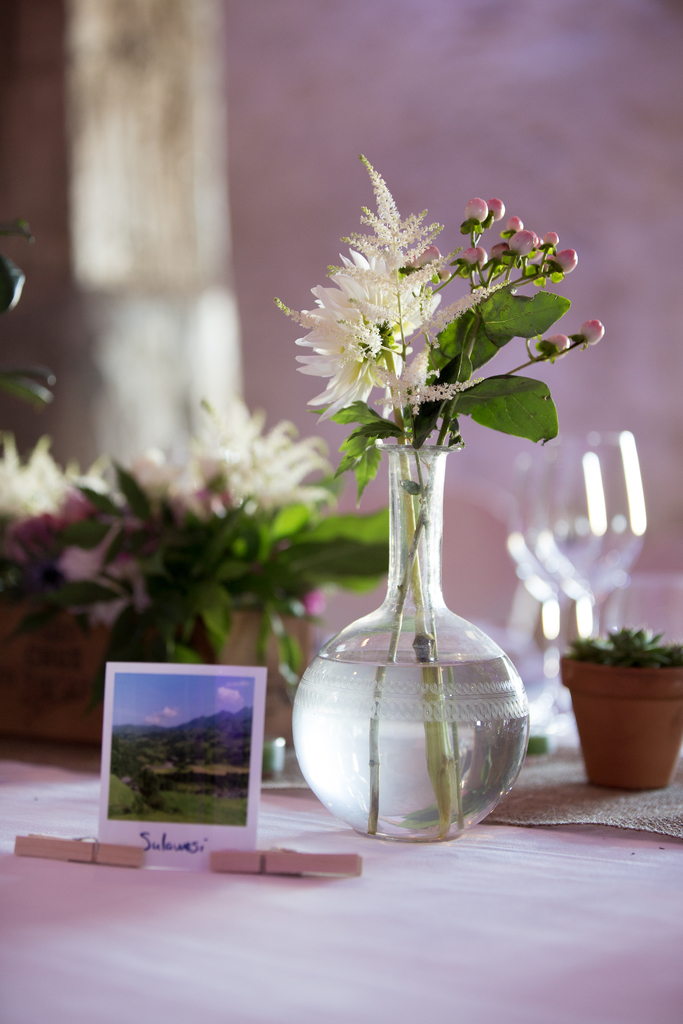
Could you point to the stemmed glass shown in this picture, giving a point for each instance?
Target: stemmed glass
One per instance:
(577, 529)
(589, 518)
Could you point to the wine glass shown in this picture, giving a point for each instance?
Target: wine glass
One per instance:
(652, 600)
(589, 518)
(576, 530)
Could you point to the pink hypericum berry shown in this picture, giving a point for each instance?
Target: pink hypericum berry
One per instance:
(476, 209)
(567, 260)
(430, 254)
(473, 256)
(497, 208)
(514, 224)
(522, 242)
(561, 340)
(551, 238)
(500, 248)
(592, 331)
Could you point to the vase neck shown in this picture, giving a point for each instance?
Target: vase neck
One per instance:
(416, 481)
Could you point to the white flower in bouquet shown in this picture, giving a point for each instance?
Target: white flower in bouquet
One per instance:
(31, 488)
(362, 324)
(155, 475)
(245, 464)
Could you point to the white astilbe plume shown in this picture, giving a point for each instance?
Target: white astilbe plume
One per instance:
(398, 242)
(411, 387)
(362, 324)
(448, 314)
(266, 469)
(38, 485)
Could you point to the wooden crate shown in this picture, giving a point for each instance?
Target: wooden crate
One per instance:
(46, 678)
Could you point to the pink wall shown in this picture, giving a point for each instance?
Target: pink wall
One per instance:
(570, 112)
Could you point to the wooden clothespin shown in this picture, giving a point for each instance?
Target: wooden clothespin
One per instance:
(286, 862)
(85, 851)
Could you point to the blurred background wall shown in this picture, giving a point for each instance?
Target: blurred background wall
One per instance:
(114, 123)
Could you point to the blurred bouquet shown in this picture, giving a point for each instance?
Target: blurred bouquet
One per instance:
(167, 552)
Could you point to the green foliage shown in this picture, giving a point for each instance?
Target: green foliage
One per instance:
(628, 648)
(514, 405)
(360, 448)
(198, 572)
(24, 382)
(495, 322)
(11, 283)
(137, 499)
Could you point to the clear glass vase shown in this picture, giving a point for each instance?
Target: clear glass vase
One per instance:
(411, 723)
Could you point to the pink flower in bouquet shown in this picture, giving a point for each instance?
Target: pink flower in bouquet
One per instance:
(497, 208)
(478, 256)
(567, 259)
(476, 209)
(76, 563)
(561, 340)
(27, 539)
(523, 242)
(592, 331)
(430, 254)
(514, 224)
(314, 602)
(75, 508)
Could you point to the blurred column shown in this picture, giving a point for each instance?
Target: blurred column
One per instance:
(149, 214)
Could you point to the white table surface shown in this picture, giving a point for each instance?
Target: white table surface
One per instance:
(540, 926)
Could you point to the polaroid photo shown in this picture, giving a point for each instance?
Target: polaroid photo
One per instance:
(181, 760)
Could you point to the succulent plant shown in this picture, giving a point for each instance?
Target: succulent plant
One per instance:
(628, 648)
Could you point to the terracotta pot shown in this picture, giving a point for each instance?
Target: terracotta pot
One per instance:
(630, 722)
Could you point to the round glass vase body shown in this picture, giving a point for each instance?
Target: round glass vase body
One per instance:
(411, 723)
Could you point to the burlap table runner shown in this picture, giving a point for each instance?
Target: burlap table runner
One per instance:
(552, 790)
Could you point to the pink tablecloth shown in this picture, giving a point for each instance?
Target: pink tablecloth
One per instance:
(569, 925)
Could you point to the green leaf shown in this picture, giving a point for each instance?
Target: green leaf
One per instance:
(81, 592)
(87, 533)
(232, 569)
(185, 655)
(494, 323)
(368, 529)
(288, 521)
(16, 227)
(362, 456)
(11, 282)
(426, 420)
(212, 603)
(507, 316)
(35, 620)
(100, 501)
(411, 486)
(514, 405)
(359, 412)
(133, 493)
(318, 563)
(25, 388)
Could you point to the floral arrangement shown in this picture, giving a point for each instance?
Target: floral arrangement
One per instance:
(166, 552)
(389, 290)
(361, 337)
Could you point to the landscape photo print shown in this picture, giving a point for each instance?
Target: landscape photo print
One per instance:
(182, 749)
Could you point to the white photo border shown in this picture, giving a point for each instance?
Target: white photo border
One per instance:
(174, 844)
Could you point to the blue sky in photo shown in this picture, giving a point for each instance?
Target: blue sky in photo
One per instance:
(142, 698)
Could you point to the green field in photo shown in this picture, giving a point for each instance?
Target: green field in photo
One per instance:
(177, 805)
